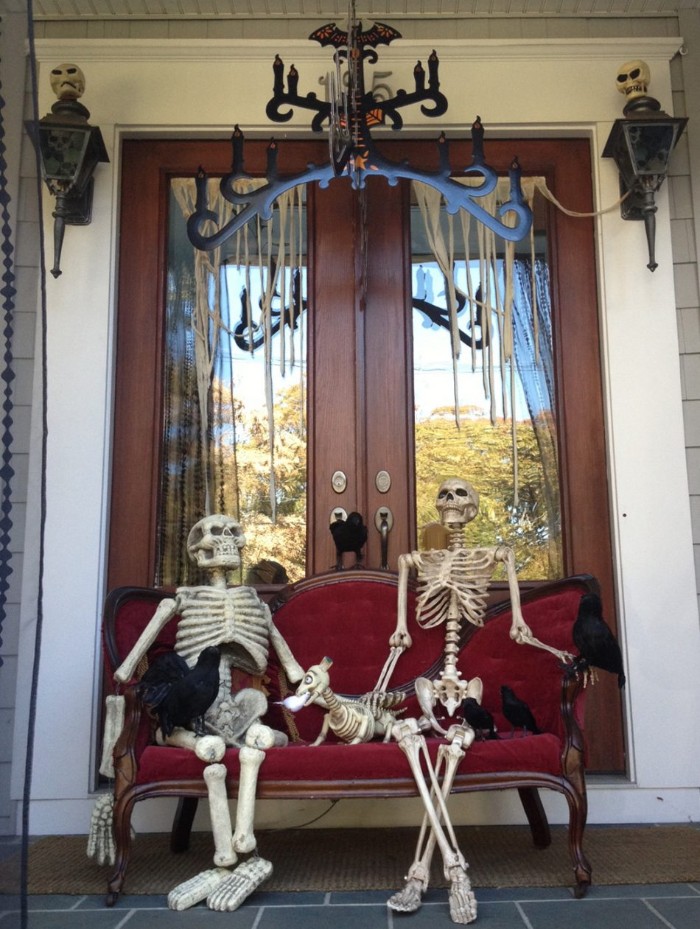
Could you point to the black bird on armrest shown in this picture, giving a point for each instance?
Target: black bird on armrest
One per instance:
(595, 641)
(349, 535)
(517, 712)
(179, 695)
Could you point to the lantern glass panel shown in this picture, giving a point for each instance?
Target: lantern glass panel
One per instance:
(63, 152)
(650, 147)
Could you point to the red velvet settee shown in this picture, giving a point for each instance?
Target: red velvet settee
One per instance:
(349, 616)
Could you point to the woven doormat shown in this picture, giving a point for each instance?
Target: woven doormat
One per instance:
(375, 859)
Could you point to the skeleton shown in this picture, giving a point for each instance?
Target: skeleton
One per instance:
(452, 587)
(633, 79)
(352, 720)
(241, 625)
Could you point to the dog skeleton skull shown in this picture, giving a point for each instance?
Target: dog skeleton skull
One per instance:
(452, 587)
(235, 620)
(633, 79)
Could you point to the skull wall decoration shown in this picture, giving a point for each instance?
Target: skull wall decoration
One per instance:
(215, 542)
(457, 502)
(67, 81)
(633, 79)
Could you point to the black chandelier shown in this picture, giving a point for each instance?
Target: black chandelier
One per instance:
(350, 112)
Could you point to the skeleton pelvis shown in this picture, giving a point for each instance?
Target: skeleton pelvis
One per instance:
(450, 691)
(231, 717)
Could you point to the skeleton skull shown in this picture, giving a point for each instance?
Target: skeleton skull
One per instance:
(67, 82)
(457, 502)
(633, 79)
(215, 541)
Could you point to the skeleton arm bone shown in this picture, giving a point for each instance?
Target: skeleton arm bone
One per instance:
(400, 639)
(520, 632)
(293, 669)
(166, 610)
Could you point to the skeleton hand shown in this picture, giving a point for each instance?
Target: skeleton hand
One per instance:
(521, 633)
(101, 837)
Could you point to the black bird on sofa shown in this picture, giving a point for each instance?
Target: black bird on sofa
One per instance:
(517, 712)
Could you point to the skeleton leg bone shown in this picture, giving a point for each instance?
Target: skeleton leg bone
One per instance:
(250, 761)
(222, 889)
(412, 743)
(410, 897)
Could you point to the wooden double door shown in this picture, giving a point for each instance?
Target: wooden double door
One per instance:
(360, 376)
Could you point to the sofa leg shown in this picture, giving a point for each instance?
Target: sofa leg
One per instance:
(578, 813)
(582, 885)
(536, 816)
(182, 824)
(122, 841)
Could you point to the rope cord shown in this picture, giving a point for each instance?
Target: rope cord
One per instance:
(7, 292)
(26, 795)
(541, 186)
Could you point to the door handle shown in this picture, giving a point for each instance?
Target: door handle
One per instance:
(384, 521)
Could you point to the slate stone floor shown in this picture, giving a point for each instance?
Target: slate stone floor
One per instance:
(647, 906)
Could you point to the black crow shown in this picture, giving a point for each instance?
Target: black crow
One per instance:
(479, 718)
(180, 695)
(517, 712)
(349, 535)
(595, 641)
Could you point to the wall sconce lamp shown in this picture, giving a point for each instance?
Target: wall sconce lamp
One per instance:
(641, 145)
(69, 151)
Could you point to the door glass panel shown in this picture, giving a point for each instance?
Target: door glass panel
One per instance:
(234, 421)
(464, 414)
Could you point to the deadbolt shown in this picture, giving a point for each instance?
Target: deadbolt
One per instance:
(382, 481)
(339, 481)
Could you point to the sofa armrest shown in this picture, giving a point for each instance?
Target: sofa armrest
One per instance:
(129, 745)
(573, 752)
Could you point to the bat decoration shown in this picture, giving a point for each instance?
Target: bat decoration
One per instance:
(379, 34)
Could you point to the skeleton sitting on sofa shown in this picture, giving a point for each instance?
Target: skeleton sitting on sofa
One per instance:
(236, 621)
(452, 587)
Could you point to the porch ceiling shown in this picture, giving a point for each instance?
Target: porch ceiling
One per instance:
(366, 9)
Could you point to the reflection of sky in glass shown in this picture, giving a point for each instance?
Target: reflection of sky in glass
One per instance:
(249, 367)
(432, 365)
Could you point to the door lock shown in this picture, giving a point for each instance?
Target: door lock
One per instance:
(338, 514)
(384, 521)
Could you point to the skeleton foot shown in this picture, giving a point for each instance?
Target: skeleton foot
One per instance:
(409, 898)
(239, 885)
(461, 896)
(196, 889)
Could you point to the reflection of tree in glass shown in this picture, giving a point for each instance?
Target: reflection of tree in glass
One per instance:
(245, 453)
(482, 454)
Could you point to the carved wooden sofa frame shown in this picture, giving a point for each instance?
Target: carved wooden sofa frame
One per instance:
(349, 616)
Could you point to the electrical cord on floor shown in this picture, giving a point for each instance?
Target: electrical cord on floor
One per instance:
(310, 822)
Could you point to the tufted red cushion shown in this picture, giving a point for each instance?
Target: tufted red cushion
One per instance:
(350, 622)
(535, 675)
(368, 761)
